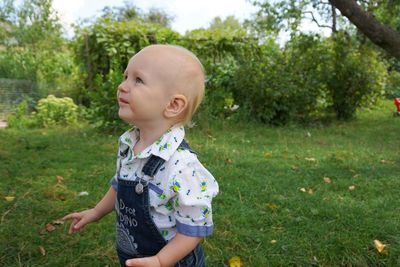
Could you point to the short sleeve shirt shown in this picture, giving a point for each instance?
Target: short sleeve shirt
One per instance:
(180, 193)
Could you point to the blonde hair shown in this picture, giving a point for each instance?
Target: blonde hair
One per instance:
(197, 92)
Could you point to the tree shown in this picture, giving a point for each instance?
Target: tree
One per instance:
(129, 12)
(158, 16)
(380, 34)
(376, 19)
(123, 13)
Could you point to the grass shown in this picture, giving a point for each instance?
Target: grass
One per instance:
(261, 215)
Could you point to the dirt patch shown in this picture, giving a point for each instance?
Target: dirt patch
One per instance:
(3, 124)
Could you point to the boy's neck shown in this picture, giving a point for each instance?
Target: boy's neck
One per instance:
(149, 133)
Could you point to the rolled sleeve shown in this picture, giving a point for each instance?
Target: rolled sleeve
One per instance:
(194, 189)
(113, 182)
(193, 230)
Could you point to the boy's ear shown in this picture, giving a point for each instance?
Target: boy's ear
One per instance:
(176, 106)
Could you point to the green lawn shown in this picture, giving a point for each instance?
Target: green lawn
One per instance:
(261, 215)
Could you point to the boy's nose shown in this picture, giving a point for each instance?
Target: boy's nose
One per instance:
(122, 87)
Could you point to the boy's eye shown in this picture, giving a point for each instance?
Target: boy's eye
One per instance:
(138, 80)
(125, 77)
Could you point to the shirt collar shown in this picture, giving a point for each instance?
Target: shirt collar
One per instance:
(164, 147)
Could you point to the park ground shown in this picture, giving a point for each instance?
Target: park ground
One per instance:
(289, 196)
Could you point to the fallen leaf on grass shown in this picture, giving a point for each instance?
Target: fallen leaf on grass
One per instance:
(352, 187)
(228, 161)
(9, 198)
(310, 190)
(379, 246)
(267, 154)
(211, 137)
(50, 227)
(295, 168)
(235, 262)
(271, 206)
(60, 179)
(42, 251)
(383, 161)
(273, 241)
(84, 193)
(327, 180)
(58, 222)
(310, 159)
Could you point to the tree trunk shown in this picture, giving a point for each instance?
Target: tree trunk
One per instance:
(382, 35)
(333, 9)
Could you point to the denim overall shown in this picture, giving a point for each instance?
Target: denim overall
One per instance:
(137, 234)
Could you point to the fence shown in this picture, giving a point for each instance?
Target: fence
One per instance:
(12, 92)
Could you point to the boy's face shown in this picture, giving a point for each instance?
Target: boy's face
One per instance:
(144, 94)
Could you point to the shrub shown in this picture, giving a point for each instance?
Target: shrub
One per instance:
(52, 111)
(392, 88)
(20, 118)
(278, 86)
(103, 112)
(357, 77)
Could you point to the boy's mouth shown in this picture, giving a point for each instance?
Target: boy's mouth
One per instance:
(122, 101)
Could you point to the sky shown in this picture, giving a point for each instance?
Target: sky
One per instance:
(188, 14)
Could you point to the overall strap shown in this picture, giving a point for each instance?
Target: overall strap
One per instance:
(155, 162)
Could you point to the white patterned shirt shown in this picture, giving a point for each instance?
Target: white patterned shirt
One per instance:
(181, 192)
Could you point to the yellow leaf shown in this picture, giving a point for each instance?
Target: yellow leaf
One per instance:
(267, 154)
(352, 187)
(295, 168)
(42, 251)
(60, 179)
(57, 222)
(9, 198)
(228, 161)
(327, 180)
(49, 227)
(271, 206)
(383, 161)
(310, 159)
(303, 189)
(235, 262)
(379, 246)
(273, 241)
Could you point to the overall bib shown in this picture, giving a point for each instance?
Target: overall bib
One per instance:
(137, 234)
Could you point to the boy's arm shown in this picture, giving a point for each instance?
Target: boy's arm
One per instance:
(106, 205)
(80, 219)
(169, 255)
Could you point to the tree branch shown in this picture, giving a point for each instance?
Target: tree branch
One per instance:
(315, 20)
(380, 34)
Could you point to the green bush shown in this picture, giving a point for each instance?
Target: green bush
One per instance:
(258, 87)
(103, 112)
(282, 85)
(53, 111)
(357, 76)
(311, 78)
(20, 117)
(306, 67)
(392, 88)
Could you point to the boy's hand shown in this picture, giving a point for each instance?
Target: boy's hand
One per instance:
(80, 219)
(144, 262)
